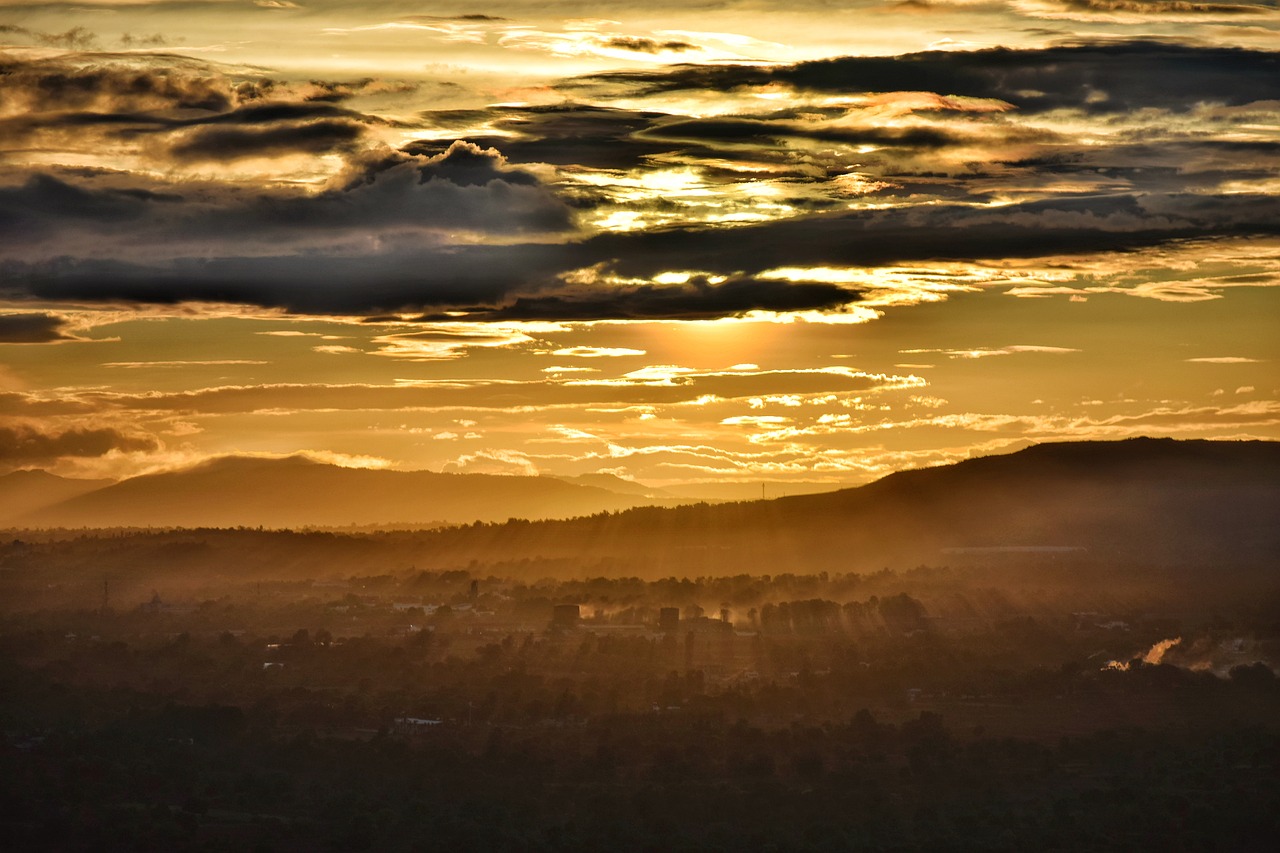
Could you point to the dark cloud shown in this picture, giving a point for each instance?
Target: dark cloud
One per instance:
(442, 19)
(75, 38)
(314, 283)
(86, 101)
(273, 129)
(442, 226)
(647, 45)
(129, 83)
(44, 206)
(463, 163)
(20, 444)
(1170, 165)
(1071, 225)
(152, 40)
(464, 188)
(343, 90)
(271, 112)
(756, 131)
(33, 329)
(1097, 78)
(229, 143)
(696, 299)
(260, 120)
(563, 134)
(497, 276)
(1156, 8)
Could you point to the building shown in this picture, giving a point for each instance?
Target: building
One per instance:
(565, 616)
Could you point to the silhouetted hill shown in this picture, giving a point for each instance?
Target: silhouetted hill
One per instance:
(616, 484)
(300, 492)
(1143, 501)
(1190, 520)
(24, 492)
(694, 492)
(1148, 500)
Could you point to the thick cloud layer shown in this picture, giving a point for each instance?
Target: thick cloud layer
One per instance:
(24, 444)
(575, 210)
(1095, 78)
(511, 281)
(462, 188)
(33, 329)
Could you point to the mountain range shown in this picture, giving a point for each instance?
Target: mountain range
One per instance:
(1139, 500)
(1147, 501)
(298, 492)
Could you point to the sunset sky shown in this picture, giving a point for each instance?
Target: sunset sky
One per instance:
(722, 241)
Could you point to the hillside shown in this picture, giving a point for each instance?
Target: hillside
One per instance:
(299, 492)
(1139, 502)
(1146, 500)
(25, 492)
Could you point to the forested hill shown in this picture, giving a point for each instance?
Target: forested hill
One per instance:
(1148, 500)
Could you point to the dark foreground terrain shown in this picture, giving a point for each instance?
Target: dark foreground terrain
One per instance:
(916, 711)
(457, 690)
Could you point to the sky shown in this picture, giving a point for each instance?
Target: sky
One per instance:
(694, 242)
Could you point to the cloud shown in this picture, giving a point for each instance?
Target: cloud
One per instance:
(448, 341)
(1142, 10)
(110, 83)
(21, 444)
(75, 38)
(232, 143)
(855, 162)
(215, 362)
(33, 329)
(490, 280)
(985, 352)
(582, 135)
(155, 109)
(1225, 359)
(740, 130)
(1092, 77)
(462, 189)
(595, 352)
(503, 462)
(639, 44)
(654, 385)
(692, 300)
(739, 384)
(587, 38)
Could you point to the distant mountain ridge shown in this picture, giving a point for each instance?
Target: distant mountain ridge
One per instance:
(296, 491)
(27, 491)
(1150, 501)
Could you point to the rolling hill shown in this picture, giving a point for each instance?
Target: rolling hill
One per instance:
(300, 492)
(1144, 500)
(28, 491)
(1139, 502)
